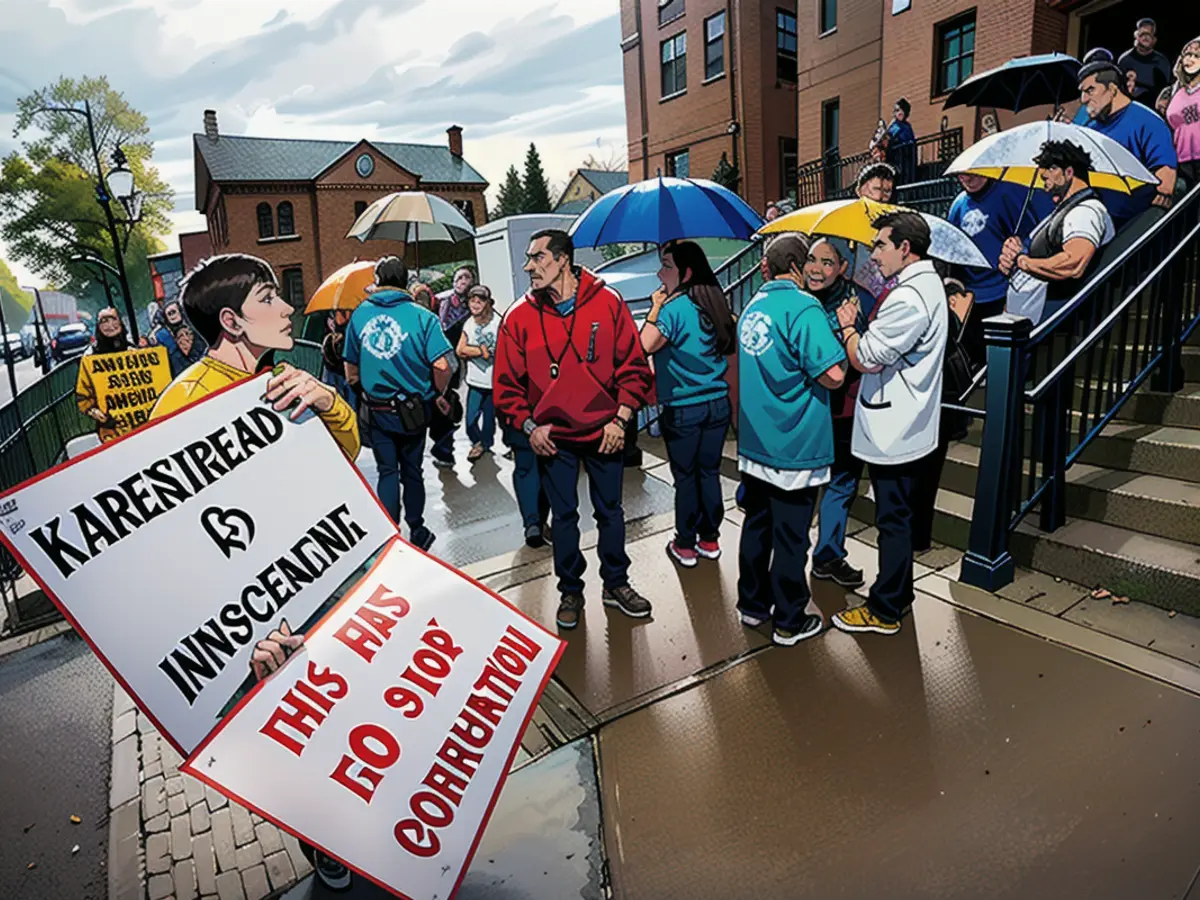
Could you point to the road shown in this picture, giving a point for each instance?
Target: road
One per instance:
(26, 374)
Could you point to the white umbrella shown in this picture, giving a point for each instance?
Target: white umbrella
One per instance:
(1008, 156)
(413, 217)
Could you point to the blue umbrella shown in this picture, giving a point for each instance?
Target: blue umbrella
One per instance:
(665, 209)
(1020, 83)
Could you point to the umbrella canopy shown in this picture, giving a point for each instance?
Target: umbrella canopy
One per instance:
(344, 289)
(851, 220)
(1009, 155)
(1021, 83)
(413, 217)
(665, 209)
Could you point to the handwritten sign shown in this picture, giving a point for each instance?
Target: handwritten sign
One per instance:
(175, 549)
(129, 383)
(385, 739)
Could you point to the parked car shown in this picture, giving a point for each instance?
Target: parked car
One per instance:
(70, 340)
(13, 347)
(29, 341)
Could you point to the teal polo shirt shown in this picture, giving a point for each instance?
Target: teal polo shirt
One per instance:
(394, 342)
(785, 344)
(688, 370)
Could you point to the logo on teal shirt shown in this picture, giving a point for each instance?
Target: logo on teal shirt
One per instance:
(382, 337)
(756, 333)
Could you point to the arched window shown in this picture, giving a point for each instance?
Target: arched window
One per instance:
(287, 224)
(266, 224)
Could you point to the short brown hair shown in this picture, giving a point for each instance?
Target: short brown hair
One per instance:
(219, 283)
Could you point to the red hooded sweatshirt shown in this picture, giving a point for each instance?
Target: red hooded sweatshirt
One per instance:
(597, 354)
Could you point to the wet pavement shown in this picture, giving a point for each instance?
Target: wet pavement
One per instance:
(55, 724)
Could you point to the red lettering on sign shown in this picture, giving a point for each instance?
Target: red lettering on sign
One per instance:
(308, 703)
(374, 749)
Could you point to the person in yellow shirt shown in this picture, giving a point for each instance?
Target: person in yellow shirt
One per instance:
(110, 338)
(233, 302)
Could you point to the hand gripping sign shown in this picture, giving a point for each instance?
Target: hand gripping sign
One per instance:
(384, 740)
(175, 549)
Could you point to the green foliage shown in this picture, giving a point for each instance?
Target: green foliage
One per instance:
(16, 302)
(511, 199)
(48, 206)
(535, 187)
(726, 174)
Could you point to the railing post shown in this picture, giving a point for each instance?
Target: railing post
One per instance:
(1168, 377)
(1056, 424)
(988, 564)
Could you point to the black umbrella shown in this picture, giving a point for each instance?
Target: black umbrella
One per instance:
(1021, 83)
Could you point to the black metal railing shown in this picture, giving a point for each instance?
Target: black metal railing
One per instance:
(934, 197)
(1050, 391)
(832, 177)
(741, 275)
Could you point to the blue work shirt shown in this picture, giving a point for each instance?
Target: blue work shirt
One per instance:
(900, 134)
(394, 342)
(688, 370)
(989, 218)
(784, 345)
(1143, 133)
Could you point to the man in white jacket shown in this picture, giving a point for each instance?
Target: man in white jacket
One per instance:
(901, 356)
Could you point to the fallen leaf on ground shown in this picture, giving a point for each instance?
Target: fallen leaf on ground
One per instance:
(75, 849)
(1116, 599)
(1171, 614)
(75, 820)
(30, 825)
(1100, 594)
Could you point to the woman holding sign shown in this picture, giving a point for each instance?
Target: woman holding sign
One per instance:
(110, 338)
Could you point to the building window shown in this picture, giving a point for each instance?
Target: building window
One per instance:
(828, 15)
(714, 46)
(789, 160)
(293, 287)
(955, 49)
(668, 10)
(785, 46)
(467, 208)
(266, 222)
(360, 207)
(287, 221)
(674, 65)
(678, 164)
(830, 114)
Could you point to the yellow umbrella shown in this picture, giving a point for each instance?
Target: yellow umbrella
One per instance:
(849, 219)
(344, 289)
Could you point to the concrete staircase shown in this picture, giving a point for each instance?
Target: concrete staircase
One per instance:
(1133, 503)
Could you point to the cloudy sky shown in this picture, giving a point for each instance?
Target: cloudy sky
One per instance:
(508, 71)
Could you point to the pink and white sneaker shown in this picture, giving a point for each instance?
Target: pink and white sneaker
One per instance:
(708, 549)
(682, 556)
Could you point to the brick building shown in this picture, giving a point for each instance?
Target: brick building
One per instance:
(291, 202)
(706, 78)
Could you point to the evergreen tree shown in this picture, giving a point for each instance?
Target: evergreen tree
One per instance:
(511, 199)
(535, 187)
(726, 174)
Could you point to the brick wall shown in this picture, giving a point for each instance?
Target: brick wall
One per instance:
(194, 247)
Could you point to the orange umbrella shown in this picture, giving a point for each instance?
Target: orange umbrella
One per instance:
(344, 289)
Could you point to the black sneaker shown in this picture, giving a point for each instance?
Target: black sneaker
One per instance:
(810, 627)
(840, 571)
(422, 538)
(332, 873)
(569, 608)
(627, 600)
(534, 537)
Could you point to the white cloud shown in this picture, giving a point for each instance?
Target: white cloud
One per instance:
(547, 71)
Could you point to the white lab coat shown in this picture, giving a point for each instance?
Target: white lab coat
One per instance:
(899, 407)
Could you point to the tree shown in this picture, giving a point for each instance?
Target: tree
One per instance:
(48, 206)
(535, 188)
(17, 303)
(614, 162)
(726, 174)
(511, 199)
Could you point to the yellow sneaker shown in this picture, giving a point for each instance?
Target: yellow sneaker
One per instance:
(860, 619)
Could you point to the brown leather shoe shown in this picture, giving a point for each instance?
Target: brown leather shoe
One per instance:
(570, 607)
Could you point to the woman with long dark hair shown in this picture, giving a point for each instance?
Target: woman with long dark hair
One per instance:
(690, 333)
(111, 337)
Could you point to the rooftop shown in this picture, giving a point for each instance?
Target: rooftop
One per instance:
(605, 181)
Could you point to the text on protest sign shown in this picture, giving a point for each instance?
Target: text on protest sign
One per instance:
(385, 739)
(177, 548)
(128, 384)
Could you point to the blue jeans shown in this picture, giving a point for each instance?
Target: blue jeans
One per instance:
(479, 404)
(838, 497)
(896, 490)
(527, 482)
(560, 478)
(398, 457)
(695, 437)
(773, 553)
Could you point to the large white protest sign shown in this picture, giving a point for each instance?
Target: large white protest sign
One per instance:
(385, 739)
(175, 549)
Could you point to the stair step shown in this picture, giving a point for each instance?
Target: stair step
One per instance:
(1153, 570)
(1148, 504)
(1180, 410)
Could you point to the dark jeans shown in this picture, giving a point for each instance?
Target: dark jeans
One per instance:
(925, 501)
(896, 494)
(527, 481)
(398, 456)
(479, 406)
(695, 437)
(773, 553)
(838, 496)
(1190, 173)
(560, 479)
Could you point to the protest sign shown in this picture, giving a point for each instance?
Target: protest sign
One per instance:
(384, 740)
(129, 383)
(176, 548)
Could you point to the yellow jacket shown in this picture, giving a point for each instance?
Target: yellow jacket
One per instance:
(86, 399)
(202, 378)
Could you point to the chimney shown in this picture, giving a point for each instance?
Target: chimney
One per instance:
(210, 125)
(455, 133)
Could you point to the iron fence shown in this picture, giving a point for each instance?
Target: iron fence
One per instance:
(833, 177)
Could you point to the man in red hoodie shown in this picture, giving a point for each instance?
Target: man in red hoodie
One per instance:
(570, 374)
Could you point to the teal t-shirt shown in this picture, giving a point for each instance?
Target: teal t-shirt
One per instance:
(688, 369)
(785, 344)
(395, 342)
